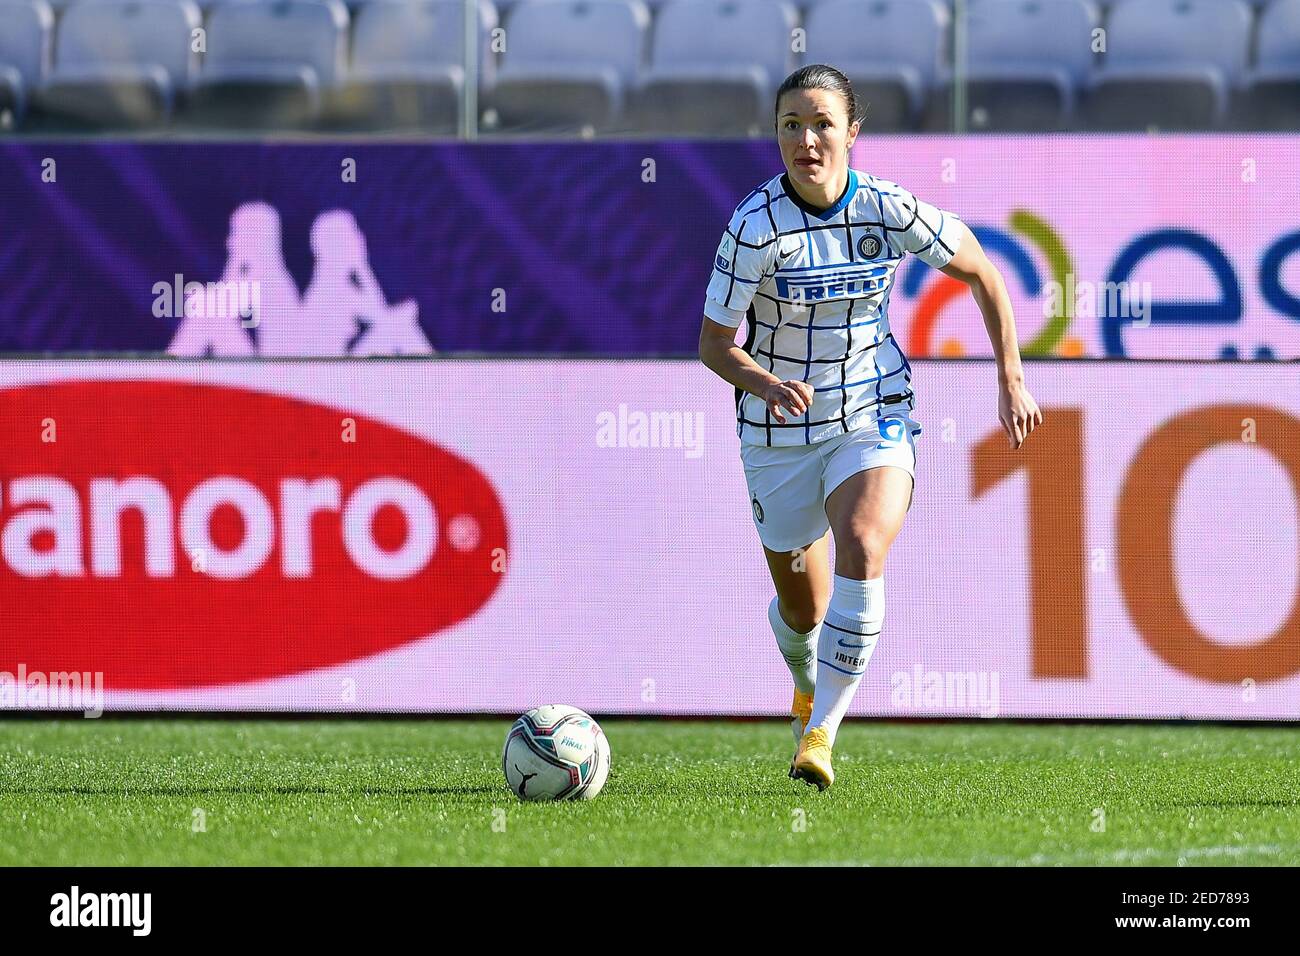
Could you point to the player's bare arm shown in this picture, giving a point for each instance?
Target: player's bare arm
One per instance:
(719, 351)
(1017, 410)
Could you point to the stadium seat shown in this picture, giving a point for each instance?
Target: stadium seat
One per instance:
(120, 64)
(892, 51)
(715, 67)
(1271, 97)
(270, 64)
(569, 64)
(408, 66)
(503, 7)
(1169, 64)
(1025, 61)
(26, 44)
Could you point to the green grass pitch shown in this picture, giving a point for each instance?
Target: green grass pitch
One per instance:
(419, 792)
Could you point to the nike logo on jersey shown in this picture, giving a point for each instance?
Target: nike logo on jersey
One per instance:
(788, 249)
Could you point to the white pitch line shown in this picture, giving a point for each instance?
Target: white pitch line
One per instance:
(1042, 859)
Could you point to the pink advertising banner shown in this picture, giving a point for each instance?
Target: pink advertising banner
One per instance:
(1145, 247)
(486, 536)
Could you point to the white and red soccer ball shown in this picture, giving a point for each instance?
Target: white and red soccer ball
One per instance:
(555, 752)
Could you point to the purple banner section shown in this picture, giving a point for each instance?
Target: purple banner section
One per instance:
(516, 248)
(1177, 247)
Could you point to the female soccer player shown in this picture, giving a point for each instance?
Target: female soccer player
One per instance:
(823, 396)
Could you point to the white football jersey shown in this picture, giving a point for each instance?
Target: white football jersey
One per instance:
(814, 287)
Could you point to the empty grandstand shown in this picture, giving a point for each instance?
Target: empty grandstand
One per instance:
(696, 68)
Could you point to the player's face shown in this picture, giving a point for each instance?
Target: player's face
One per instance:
(813, 129)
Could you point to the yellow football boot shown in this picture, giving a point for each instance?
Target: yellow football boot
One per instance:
(812, 764)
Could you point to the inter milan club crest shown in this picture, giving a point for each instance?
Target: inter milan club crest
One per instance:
(869, 247)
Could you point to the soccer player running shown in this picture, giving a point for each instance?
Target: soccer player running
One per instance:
(823, 391)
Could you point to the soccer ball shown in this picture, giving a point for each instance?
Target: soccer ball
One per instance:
(555, 752)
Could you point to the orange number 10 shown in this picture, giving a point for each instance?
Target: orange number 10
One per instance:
(1053, 463)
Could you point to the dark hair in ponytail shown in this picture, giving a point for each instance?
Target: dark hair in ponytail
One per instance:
(819, 76)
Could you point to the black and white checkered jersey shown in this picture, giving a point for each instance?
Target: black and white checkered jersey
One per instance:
(814, 287)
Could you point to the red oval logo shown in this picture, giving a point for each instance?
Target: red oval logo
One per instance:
(178, 535)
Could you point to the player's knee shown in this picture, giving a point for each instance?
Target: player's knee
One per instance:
(802, 616)
(862, 555)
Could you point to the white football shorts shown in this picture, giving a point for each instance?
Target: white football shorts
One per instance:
(789, 484)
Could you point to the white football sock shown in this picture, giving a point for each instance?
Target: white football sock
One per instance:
(849, 635)
(799, 650)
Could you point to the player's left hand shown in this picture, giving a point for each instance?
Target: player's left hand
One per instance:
(1017, 411)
